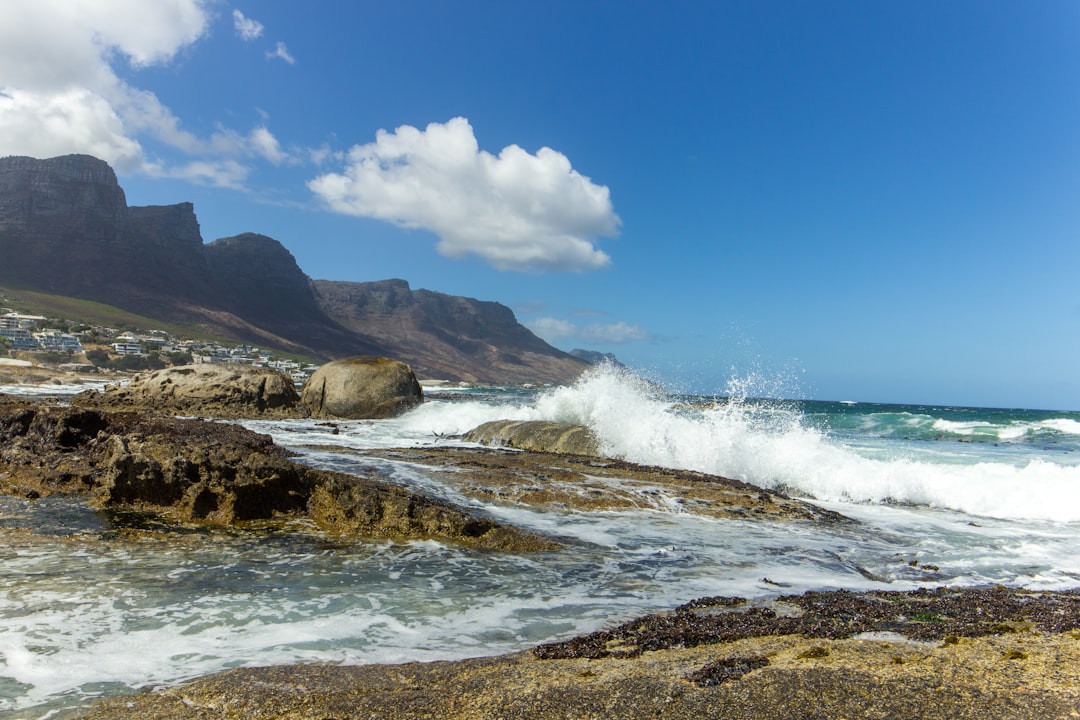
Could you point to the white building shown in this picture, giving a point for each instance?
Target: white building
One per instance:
(57, 341)
(125, 348)
(15, 321)
(19, 338)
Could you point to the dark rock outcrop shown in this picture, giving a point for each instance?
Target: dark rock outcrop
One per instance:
(536, 435)
(216, 473)
(222, 390)
(259, 279)
(362, 387)
(57, 219)
(353, 507)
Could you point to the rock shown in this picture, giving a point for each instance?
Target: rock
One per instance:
(260, 281)
(199, 471)
(220, 390)
(537, 435)
(586, 484)
(196, 471)
(351, 506)
(362, 387)
(747, 674)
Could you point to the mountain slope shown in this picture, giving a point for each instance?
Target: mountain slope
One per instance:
(66, 229)
(445, 336)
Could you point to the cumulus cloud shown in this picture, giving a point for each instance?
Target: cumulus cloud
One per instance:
(516, 210)
(554, 330)
(246, 28)
(59, 92)
(281, 52)
(266, 145)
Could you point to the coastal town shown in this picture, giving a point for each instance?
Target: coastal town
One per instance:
(74, 346)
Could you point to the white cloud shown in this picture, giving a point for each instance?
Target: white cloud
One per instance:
(553, 330)
(246, 28)
(220, 173)
(516, 210)
(281, 52)
(266, 145)
(59, 93)
(60, 123)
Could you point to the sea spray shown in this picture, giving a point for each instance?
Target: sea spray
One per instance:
(769, 443)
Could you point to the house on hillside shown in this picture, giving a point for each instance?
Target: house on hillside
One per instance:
(19, 338)
(127, 348)
(56, 341)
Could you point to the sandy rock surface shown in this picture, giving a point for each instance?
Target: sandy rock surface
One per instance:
(220, 390)
(362, 387)
(1017, 657)
(537, 435)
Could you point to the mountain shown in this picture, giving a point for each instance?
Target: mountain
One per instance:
(595, 358)
(442, 335)
(66, 229)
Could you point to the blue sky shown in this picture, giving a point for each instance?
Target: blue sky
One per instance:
(839, 200)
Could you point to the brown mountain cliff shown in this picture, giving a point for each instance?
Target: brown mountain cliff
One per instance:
(66, 229)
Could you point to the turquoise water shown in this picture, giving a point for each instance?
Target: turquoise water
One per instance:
(944, 496)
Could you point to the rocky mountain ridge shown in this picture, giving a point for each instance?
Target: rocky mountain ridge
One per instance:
(66, 229)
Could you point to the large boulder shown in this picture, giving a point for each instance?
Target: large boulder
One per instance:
(362, 387)
(536, 435)
(220, 390)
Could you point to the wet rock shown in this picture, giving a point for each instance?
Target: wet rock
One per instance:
(552, 480)
(767, 675)
(219, 390)
(918, 615)
(351, 506)
(197, 471)
(362, 387)
(536, 435)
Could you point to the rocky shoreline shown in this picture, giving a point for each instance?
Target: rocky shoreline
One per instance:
(975, 654)
(945, 653)
(199, 471)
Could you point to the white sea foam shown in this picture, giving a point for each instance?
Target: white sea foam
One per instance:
(1066, 426)
(770, 446)
(767, 444)
(52, 389)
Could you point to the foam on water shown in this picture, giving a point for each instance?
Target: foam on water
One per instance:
(771, 446)
(83, 618)
(60, 390)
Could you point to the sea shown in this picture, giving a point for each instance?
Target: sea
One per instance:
(942, 496)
